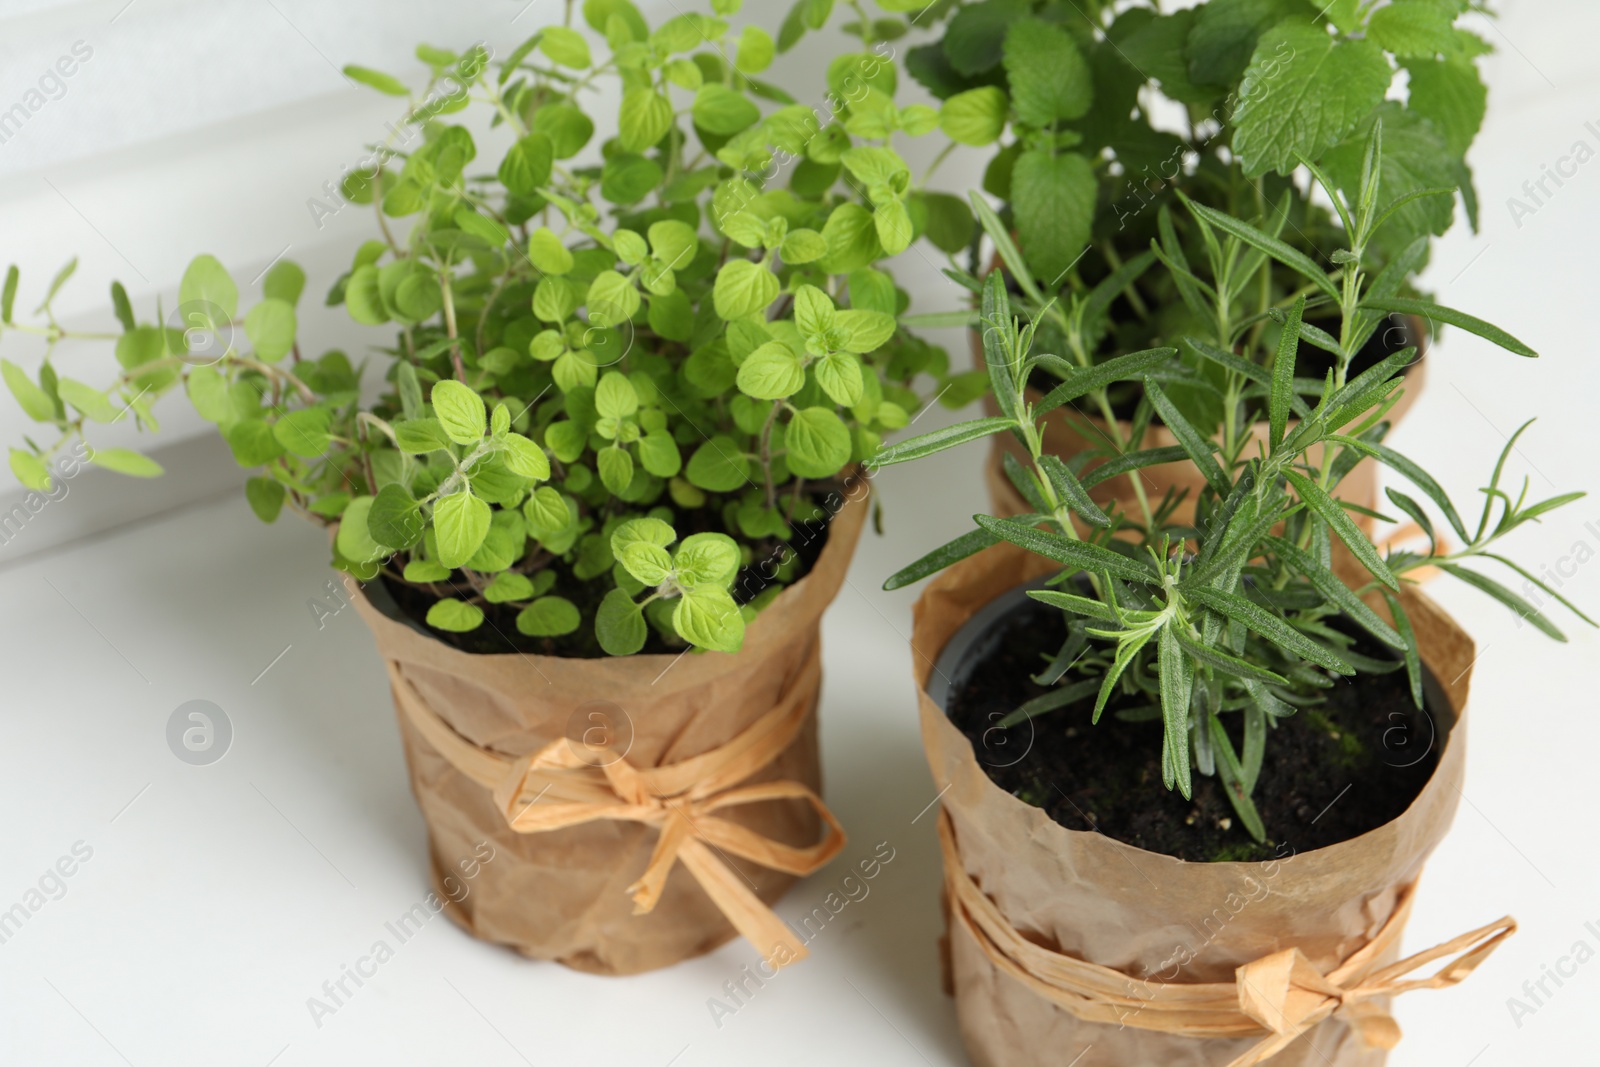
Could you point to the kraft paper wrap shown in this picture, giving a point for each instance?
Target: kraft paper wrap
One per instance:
(1071, 429)
(1087, 896)
(568, 894)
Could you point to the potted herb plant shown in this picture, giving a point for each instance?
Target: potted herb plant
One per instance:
(1190, 773)
(1113, 123)
(608, 481)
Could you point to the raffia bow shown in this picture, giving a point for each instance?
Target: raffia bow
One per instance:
(567, 784)
(1276, 998)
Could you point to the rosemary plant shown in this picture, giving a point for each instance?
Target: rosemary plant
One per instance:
(1231, 624)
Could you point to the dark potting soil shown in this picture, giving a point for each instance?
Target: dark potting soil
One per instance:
(1332, 771)
(499, 633)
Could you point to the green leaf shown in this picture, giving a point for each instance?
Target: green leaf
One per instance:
(1333, 589)
(455, 616)
(354, 540)
(1305, 103)
(1131, 367)
(8, 295)
(718, 466)
(1048, 75)
(550, 616)
(976, 117)
(649, 564)
(619, 624)
(659, 454)
(376, 79)
(1221, 661)
(612, 299)
(1402, 624)
(1198, 447)
(1460, 319)
(546, 512)
(1268, 625)
(974, 41)
(460, 410)
(1283, 370)
(460, 525)
(707, 616)
(1071, 490)
(744, 287)
(1236, 779)
(363, 297)
(756, 51)
(864, 331)
(567, 129)
(285, 281)
(707, 559)
(615, 397)
(1342, 525)
(1132, 461)
(1415, 28)
(207, 281)
(426, 570)
(253, 443)
(527, 166)
(1414, 161)
(524, 458)
(645, 118)
(817, 443)
(1421, 479)
(547, 253)
(265, 497)
(839, 375)
(393, 517)
(1177, 685)
(92, 402)
(1068, 550)
(968, 544)
(1521, 607)
(1053, 200)
(771, 372)
(414, 436)
(1224, 37)
(723, 111)
(939, 440)
(30, 470)
(566, 47)
(506, 587)
(304, 433)
(1293, 259)
(1451, 96)
(616, 468)
(803, 246)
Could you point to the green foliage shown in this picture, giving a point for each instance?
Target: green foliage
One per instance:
(1076, 101)
(686, 330)
(1243, 617)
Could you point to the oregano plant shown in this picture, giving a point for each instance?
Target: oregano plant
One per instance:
(1223, 628)
(1103, 116)
(616, 369)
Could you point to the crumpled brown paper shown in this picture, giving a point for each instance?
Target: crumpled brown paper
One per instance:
(1072, 428)
(1152, 916)
(563, 895)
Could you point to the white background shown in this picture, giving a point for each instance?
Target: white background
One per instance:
(219, 898)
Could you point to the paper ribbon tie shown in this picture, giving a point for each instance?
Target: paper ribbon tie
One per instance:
(568, 784)
(1276, 998)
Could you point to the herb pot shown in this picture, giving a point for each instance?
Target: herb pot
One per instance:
(603, 744)
(1067, 946)
(1069, 431)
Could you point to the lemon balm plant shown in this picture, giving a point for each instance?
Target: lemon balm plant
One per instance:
(1102, 116)
(617, 370)
(1222, 629)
